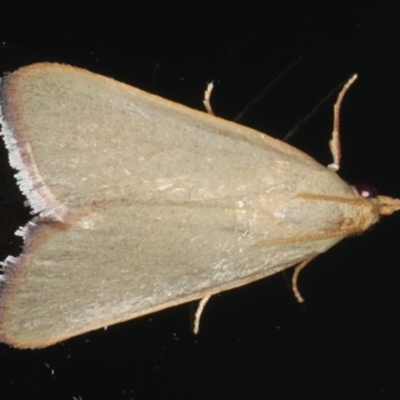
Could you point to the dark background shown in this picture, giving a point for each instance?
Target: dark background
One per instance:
(256, 341)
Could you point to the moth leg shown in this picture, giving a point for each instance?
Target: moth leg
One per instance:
(334, 143)
(295, 278)
(207, 95)
(199, 311)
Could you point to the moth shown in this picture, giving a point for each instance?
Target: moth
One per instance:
(139, 204)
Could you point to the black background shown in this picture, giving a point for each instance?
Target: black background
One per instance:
(256, 341)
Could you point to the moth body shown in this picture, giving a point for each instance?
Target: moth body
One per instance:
(140, 204)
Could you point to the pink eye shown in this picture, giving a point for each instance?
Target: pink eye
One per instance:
(366, 190)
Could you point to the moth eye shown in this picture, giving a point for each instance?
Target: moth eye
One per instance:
(366, 190)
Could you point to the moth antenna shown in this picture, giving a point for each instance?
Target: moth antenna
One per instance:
(253, 102)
